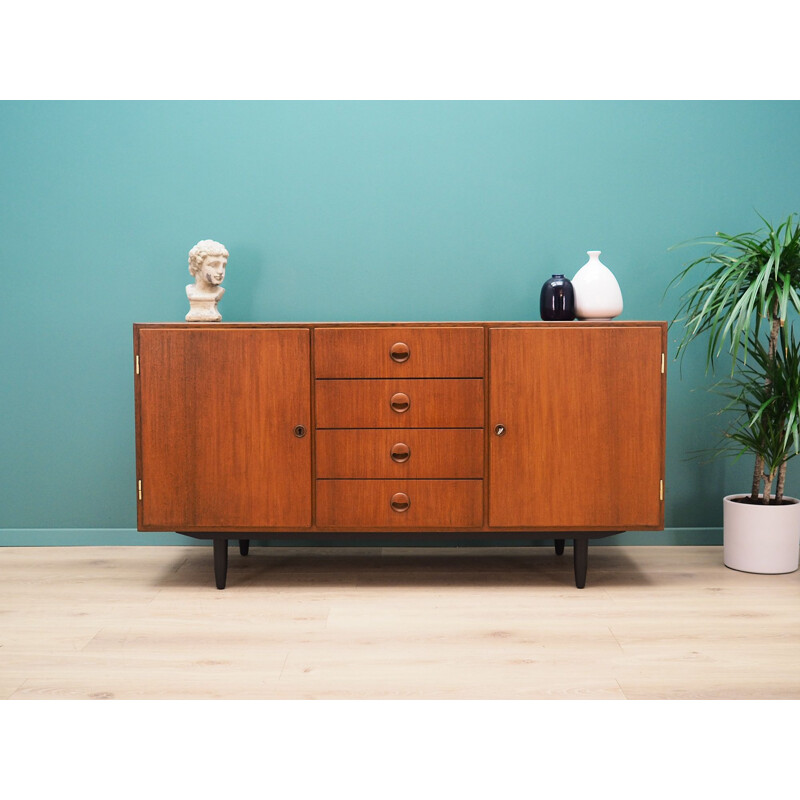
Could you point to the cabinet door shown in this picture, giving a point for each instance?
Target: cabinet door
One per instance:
(217, 413)
(583, 446)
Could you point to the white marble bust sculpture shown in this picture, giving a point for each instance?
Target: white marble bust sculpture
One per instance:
(207, 262)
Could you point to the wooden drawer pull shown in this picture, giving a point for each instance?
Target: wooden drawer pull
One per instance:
(399, 352)
(400, 502)
(400, 402)
(400, 452)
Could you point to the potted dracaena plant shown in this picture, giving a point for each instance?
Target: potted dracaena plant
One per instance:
(747, 295)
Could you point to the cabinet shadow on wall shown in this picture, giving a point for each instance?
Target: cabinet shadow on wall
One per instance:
(338, 567)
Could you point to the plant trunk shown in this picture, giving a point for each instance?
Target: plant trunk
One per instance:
(757, 475)
(774, 331)
(758, 472)
(767, 487)
(781, 482)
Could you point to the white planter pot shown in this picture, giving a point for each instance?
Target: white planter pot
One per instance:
(763, 539)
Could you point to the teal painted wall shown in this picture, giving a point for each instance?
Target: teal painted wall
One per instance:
(342, 211)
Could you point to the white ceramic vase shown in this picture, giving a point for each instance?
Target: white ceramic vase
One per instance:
(597, 293)
(762, 539)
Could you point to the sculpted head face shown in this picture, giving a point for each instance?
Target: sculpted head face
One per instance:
(207, 262)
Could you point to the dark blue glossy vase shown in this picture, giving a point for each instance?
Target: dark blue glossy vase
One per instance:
(557, 300)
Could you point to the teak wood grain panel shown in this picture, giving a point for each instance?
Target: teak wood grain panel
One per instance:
(582, 408)
(217, 415)
(363, 352)
(367, 504)
(432, 453)
(454, 403)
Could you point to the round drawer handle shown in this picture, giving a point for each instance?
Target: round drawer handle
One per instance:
(400, 402)
(500, 429)
(399, 352)
(400, 452)
(400, 502)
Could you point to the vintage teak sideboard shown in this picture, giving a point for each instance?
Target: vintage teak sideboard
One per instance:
(448, 428)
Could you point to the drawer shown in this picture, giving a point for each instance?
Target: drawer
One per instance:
(399, 351)
(399, 504)
(410, 403)
(415, 453)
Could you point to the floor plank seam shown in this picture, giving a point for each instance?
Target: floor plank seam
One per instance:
(615, 639)
(18, 689)
(283, 666)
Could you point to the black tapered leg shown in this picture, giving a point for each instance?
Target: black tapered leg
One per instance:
(580, 555)
(559, 547)
(220, 562)
(244, 546)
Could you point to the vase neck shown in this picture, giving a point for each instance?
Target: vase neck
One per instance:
(594, 255)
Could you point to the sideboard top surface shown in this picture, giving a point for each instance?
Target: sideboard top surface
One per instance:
(383, 324)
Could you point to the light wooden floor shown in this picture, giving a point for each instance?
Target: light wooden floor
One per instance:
(147, 622)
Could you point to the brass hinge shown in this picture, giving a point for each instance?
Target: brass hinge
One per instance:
(140, 490)
(662, 364)
(137, 365)
(660, 490)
